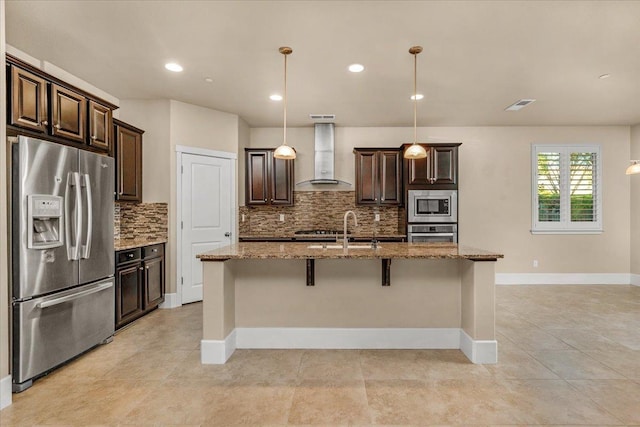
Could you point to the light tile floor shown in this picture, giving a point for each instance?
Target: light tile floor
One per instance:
(569, 355)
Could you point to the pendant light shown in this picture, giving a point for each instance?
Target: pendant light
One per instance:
(634, 168)
(284, 151)
(415, 150)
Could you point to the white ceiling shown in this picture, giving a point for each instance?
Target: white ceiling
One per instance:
(479, 57)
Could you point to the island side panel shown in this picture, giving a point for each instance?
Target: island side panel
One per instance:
(348, 294)
(218, 308)
(478, 310)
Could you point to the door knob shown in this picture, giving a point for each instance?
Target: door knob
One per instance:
(227, 234)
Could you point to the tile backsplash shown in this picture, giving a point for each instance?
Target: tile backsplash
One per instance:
(140, 220)
(319, 210)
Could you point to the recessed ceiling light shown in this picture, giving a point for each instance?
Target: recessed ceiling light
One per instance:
(417, 96)
(519, 105)
(172, 66)
(604, 76)
(275, 97)
(356, 68)
(208, 80)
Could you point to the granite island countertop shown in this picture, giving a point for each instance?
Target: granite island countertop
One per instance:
(385, 250)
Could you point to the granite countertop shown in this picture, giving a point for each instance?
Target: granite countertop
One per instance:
(122, 244)
(388, 250)
(317, 236)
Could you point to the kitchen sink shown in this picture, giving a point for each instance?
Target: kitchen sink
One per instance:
(341, 247)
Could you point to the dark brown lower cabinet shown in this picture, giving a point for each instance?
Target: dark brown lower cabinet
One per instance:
(153, 276)
(140, 282)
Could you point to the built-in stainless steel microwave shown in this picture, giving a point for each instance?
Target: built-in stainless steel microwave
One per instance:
(432, 206)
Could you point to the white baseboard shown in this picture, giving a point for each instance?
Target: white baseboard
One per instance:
(479, 351)
(5, 392)
(348, 338)
(564, 279)
(635, 279)
(217, 352)
(171, 301)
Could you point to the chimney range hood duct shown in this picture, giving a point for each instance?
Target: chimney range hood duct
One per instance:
(324, 155)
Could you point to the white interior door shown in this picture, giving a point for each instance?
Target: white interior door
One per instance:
(206, 215)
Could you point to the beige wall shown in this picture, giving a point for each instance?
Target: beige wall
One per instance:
(495, 189)
(635, 203)
(152, 116)
(4, 257)
(169, 123)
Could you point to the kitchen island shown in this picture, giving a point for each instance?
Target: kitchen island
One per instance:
(301, 295)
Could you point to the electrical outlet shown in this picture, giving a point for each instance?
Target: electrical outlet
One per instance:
(281, 217)
(242, 217)
(377, 217)
(535, 263)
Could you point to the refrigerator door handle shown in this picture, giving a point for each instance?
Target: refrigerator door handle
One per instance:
(66, 298)
(67, 215)
(79, 215)
(86, 248)
(73, 250)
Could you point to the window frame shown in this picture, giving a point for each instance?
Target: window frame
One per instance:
(565, 225)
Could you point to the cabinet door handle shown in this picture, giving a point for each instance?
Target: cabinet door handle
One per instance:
(147, 267)
(265, 200)
(141, 268)
(44, 123)
(57, 126)
(382, 199)
(94, 137)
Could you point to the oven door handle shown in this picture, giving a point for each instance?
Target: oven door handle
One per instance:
(431, 234)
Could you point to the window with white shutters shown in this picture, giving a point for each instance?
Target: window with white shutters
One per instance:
(566, 189)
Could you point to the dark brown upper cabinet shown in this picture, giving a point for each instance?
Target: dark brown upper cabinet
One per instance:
(269, 181)
(439, 170)
(28, 102)
(100, 126)
(43, 106)
(378, 176)
(128, 154)
(68, 113)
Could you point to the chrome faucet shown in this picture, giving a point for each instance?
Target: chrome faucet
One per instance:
(345, 242)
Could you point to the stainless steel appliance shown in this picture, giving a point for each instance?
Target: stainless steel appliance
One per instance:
(432, 206)
(432, 233)
(61, 254)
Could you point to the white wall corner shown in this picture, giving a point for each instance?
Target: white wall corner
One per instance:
(5, 392)
(635, 279)
(171, 301)
(217, 352)
(563, 278)
(483, 352)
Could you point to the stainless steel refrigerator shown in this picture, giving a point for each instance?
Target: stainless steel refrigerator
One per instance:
(62, 256)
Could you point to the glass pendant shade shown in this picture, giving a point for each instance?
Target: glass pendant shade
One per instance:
(284, 151)
(634, 168)
(415, 151)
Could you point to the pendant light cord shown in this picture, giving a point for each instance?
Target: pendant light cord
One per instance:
(415, 98)
(285, 101)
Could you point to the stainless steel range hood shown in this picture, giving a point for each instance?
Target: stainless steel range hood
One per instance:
(324, 156)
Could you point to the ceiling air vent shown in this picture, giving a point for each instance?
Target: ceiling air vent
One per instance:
(519, 105)
(322, 117)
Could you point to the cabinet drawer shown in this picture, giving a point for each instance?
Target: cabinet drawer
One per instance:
(127, 256)
(152, 251)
